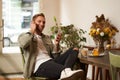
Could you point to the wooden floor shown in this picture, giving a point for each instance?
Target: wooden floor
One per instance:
(16, 79)
(3, 78)
(12, 77)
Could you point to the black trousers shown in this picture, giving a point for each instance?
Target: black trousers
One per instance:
(53, 67)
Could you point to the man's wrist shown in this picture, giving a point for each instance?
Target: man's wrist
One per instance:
(32, 32)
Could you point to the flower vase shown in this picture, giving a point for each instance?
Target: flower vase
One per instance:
(100, 46)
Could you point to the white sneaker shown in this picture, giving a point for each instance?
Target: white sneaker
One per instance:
(68, 74)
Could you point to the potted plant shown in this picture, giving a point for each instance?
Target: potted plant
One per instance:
(71, 36)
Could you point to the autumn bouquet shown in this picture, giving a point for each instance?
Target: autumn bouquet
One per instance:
(101, 30)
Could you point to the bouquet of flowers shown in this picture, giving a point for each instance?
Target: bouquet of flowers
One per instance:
(101, 29)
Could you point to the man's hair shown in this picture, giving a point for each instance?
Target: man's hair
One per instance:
(36, 15)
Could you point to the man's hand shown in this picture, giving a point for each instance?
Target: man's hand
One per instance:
(33, 27)
(58, 38)
(57, 41)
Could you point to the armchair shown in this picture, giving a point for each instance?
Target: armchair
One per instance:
(114, 66)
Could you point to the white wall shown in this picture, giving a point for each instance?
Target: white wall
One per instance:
(82, 13)
(50, 8)
(11, 63)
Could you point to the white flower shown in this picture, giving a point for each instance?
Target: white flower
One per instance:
(102, 34)
(98, 29)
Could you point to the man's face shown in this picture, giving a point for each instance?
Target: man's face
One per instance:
(40, 23)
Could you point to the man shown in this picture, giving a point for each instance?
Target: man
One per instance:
(39, 60)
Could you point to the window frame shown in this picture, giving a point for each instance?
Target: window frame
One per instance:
(8, 50)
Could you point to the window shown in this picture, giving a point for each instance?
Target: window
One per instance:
(17, 16)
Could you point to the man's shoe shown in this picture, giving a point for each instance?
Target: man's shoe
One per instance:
(68, 74)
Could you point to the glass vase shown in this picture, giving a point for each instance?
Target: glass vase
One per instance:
(100, 46)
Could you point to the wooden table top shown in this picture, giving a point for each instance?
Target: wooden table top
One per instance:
(100, 61)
